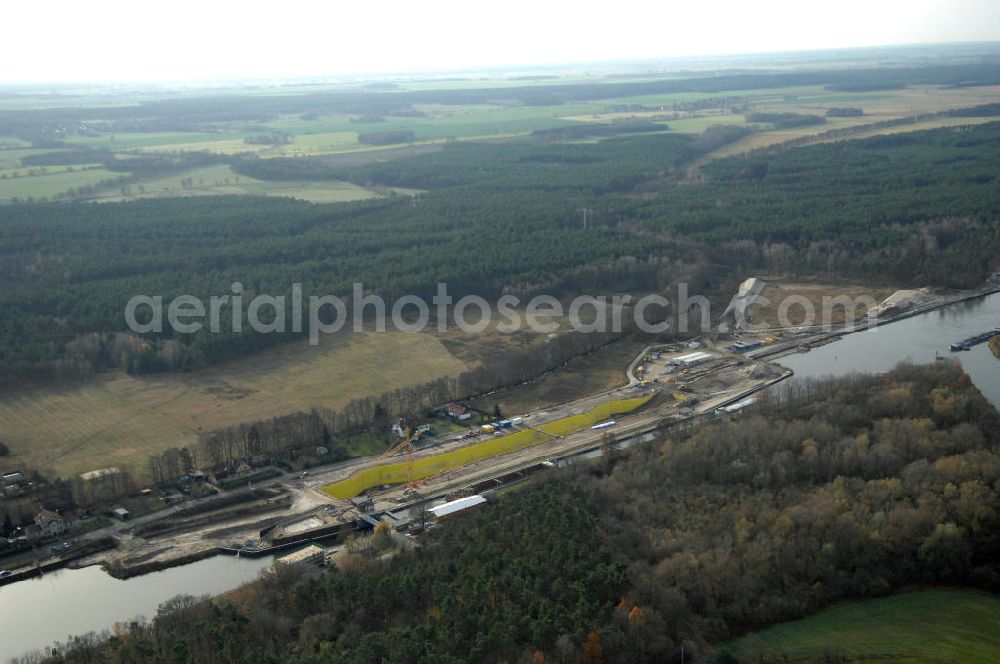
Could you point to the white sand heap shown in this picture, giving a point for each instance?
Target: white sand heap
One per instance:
(735, 315)
(900, 301)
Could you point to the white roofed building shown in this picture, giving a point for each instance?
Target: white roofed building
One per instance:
(693, 359)
(456, 507)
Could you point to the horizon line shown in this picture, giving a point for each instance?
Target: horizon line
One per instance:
(361, 76)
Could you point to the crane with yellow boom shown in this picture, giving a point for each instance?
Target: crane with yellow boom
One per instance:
(407, 445)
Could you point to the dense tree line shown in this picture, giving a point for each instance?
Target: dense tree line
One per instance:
(595, 129)
(516, 166)
(847, 112)
(272, 139)
(830, 490)
(786, 120)
(65, 157)
(915, 208)
(504, 222)
(982, 111)
(389, 137)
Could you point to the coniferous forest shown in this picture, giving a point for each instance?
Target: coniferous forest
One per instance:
(918, 208)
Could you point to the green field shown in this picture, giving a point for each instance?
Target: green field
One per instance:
(315, 192)
(13, 142)
(221, 179)
(165, 140)
(699, 124)
(11, 157)
(20, 182)
(336, 133)
(53, 183)
(950, 625)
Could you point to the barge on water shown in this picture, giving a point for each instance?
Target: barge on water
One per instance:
(976, 340)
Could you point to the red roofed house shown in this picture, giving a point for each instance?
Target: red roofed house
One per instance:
(459, 412)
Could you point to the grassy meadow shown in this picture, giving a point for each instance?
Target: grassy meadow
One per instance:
(221, 179)
(118, 419)
(56, 181)
(946, 625)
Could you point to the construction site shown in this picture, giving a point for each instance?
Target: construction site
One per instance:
(666, 385)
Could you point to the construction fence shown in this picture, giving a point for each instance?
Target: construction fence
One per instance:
(424, 467)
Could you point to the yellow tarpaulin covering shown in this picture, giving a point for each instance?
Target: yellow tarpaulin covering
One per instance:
(424, 467)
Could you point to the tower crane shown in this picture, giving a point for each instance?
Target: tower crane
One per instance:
(404, 445)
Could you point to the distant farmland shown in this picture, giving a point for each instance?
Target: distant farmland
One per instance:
(222, 180)
(51, 184)
(432, 124)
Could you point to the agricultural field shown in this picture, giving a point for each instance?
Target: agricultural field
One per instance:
(330, 134)
(53, 183)
(314, 192)
(222, 180)
(433, 124)
(20, 182)
(7, 142)
(892, 104)
(442, 121)
(10, 158)
(119, 419)
(936, 123)
(814, 100)
(877, 106)
(162, 140)
(948, 625)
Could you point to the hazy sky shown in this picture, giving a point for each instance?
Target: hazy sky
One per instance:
(122, 40)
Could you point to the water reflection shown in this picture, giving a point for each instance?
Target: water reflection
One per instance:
(919, 339)
(36, 613)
